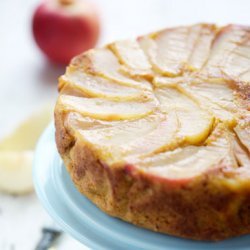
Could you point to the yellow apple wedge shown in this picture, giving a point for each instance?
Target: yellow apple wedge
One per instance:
(16, 153)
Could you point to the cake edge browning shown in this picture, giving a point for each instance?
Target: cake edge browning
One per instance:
(202, 208)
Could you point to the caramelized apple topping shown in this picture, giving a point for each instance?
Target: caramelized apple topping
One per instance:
(173, 103)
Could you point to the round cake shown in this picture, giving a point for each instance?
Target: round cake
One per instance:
(156, 130)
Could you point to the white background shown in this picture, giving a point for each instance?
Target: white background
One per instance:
(27, 80)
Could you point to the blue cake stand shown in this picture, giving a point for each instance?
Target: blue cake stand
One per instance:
(85, 222)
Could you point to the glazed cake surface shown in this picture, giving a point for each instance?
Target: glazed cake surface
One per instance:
(156, 130)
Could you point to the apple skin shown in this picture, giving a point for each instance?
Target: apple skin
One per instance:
(64, 29)
(168, 183)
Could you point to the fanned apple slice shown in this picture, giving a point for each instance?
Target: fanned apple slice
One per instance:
(163, 159)
(172, 50)
(154, 141)
(242, 156)
(216, 110)
(195, 123)
(190, 161)
(237, 65)
(223, 139)
(219, 93)
(120, 133)
(138, 137)
(243, 133)
(132, 57)
(203, 159)
(75, 121)
(171, 98)
(202, 46)
(186, 163)
(104, 109)
(102, 62)
(229, 54)
(224, 44)
(214, 91)
(167, 50)
(95, 86)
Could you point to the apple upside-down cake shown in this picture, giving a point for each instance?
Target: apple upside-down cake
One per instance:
(156, 130)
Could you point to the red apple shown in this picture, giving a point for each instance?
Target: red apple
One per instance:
(65, 28)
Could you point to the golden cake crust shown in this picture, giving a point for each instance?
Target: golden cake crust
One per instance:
(208, 204)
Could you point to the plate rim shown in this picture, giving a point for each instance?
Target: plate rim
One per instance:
(44, 201)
